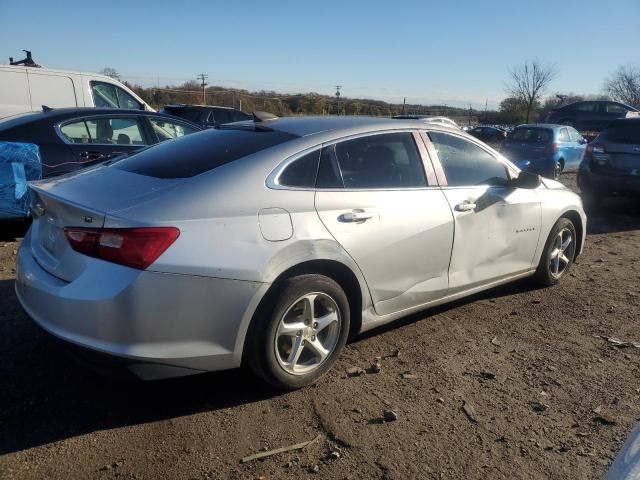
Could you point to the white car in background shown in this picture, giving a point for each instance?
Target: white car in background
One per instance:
(26, 89)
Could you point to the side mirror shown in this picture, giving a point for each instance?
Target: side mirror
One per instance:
(583, 141)
(527, 180)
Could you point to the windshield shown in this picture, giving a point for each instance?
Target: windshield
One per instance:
(531, 135)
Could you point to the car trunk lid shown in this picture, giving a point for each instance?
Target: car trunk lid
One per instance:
(81, 200)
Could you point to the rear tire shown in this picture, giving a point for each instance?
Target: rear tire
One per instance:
(298, 335)
(557, 170)
(558, 254)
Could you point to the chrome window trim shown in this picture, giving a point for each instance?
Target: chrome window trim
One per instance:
(58, 126)
(272, 179)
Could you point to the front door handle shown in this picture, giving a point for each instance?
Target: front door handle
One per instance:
(465, 206)
(355, 216)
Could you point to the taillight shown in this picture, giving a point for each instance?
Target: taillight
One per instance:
(552, 148)
(132, 247)
(598, 154)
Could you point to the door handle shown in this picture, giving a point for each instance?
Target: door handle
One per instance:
(465, 206)
(355, 216)
(90, 156)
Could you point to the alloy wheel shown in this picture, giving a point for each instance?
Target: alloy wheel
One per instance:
(563, 250)
(307, 333)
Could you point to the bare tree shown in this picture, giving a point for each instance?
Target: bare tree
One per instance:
(528, 82)
(624, 85)
(110, 72)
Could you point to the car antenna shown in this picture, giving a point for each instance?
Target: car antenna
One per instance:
(263, 116)
(27, 62)
(46, 109)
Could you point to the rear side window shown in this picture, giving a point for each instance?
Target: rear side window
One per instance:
(465, 164)
(622, 132)
(389, 160)
(301, 172)
(198, 153)
(563, 136)
(193, 115)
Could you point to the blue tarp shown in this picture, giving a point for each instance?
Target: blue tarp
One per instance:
(19, 163)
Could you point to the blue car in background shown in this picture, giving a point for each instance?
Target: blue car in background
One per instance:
(547, 150)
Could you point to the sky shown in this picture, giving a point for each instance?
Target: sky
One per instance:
(431, 52)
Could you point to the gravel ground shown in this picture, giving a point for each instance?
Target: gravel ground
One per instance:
(544, 394)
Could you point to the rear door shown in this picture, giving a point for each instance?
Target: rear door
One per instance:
(55, 91)
(99, 138)
(496, 226)
(578, 145)
(373, 196)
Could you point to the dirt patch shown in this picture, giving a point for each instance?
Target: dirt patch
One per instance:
(515, 383)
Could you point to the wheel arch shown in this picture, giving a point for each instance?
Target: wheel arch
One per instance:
(337, 271)
(576, 219)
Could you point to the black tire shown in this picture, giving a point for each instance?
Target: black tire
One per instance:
(592, 200)
(545, 274)
(261, 349)
(557, 170)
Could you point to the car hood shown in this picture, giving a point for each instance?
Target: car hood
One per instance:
(553, 184)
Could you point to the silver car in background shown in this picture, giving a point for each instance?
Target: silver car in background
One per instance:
(272, 241)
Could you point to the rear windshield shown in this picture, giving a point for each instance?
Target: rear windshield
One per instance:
(531, 135)
(190, 114)
(200, 152)
(623, 133)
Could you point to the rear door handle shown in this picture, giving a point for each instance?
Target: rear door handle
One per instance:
(465, 206)
(91, 155)
(355, 216)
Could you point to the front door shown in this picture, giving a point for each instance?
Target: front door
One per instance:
(373, 197)
(497, 227)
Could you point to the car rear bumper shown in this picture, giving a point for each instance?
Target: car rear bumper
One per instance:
(604, 184)
(157, 325)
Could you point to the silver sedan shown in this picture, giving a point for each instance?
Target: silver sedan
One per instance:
(272, 241)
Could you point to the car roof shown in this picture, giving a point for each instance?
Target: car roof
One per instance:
(542, 125)
(200, 107)
(59, 114)
(347, 125)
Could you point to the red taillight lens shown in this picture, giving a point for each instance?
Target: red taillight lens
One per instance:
(597, 153)
(133, 247)
(552, 148)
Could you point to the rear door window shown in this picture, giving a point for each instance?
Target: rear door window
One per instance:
(388, 160)
(115, 131)
(615, 108)
(563, 135)
(198, 153)
(465, 164)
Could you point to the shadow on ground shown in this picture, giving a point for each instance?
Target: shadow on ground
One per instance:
(46, 396)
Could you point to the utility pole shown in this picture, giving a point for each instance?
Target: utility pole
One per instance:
(486, 102)
(338, 87)
(404, 105)
(469, 115)
(202, 77)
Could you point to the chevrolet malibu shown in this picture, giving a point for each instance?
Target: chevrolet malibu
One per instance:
(270, 242)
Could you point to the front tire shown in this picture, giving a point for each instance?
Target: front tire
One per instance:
(298, 336)
(558, 254)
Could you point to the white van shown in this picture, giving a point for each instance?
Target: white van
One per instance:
(27, 89)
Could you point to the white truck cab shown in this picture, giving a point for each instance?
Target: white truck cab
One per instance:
(26, 89)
